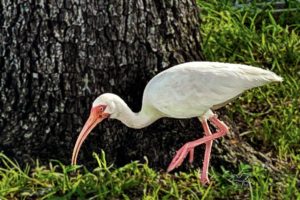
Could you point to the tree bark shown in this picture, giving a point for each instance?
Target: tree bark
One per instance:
(58, 56)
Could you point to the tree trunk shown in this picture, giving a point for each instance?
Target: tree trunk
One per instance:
(57, 56)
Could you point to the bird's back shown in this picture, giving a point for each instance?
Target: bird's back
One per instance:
(190, 89)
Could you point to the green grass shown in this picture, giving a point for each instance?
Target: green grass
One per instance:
(136, 181)
(270, 115)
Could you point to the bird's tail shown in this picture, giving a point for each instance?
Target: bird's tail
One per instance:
(258, 77)
(272, 77)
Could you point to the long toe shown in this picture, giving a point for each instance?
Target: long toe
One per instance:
(170, 167)
(176, 162)
(173, 165)
(191, 158)
(204, 180)
(179, 158)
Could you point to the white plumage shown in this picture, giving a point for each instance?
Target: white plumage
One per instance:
(190, 89)
(187, 90)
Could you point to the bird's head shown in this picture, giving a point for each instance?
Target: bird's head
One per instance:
(103, 107)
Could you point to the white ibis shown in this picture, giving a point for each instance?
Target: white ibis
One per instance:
(187, 90)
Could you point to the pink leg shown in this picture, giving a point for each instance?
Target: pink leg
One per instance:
(204, 176)
(185, 149)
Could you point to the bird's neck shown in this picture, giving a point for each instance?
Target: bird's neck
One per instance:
(138, 120)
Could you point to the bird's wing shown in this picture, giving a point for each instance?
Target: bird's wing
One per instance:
(195, 87)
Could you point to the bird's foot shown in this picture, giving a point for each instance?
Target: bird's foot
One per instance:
(181, 155)
(204, 180)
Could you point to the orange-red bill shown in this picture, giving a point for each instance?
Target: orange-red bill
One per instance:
(92, 121)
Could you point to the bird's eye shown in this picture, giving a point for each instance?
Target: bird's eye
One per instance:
(101, 108)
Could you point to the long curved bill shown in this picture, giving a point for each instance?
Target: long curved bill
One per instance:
(92, 121)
